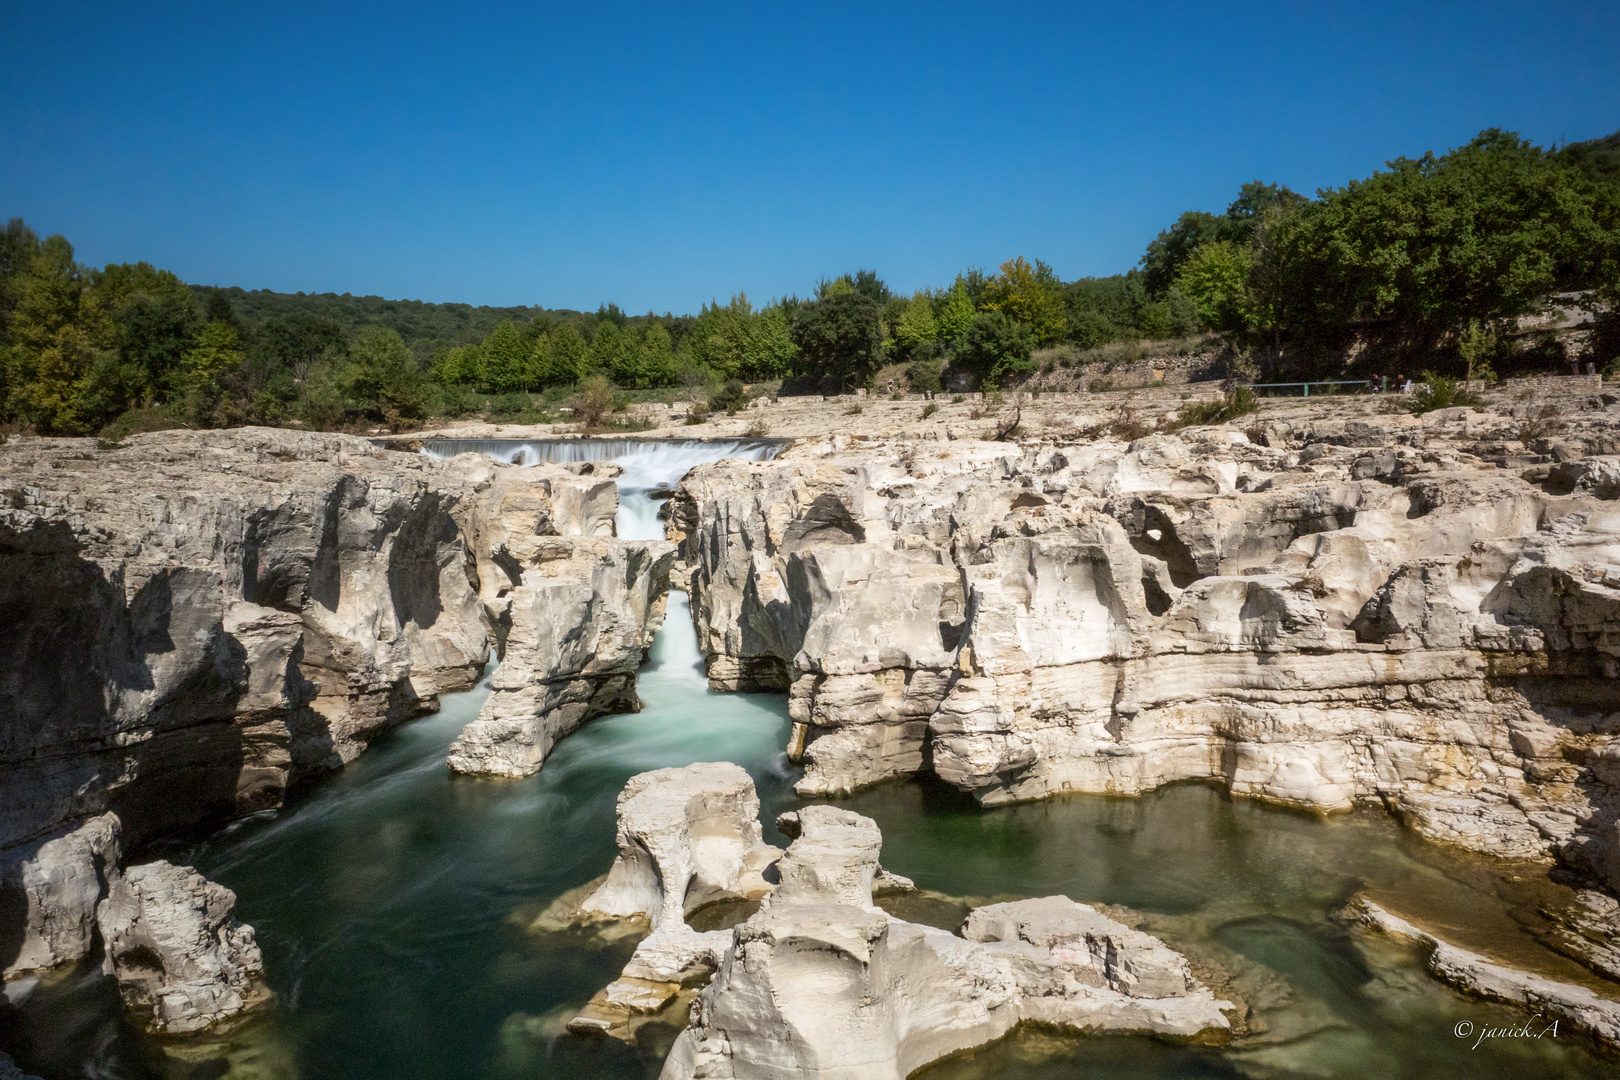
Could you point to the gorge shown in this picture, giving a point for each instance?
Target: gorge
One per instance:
(1387, 658)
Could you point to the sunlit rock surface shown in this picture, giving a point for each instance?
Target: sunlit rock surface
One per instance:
(1333, 613)
(574, 609)
(820, 982)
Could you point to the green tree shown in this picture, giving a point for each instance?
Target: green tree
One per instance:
(459, 366)
(505, 361)
(382, 377)
(204, 371)
(839, 338)
(996, 347)
(955, 311)
(916, 328)
(1031, 295)
(1171, 249)
(658, 357)
(1215, 278)
(564, 358)
(1407, 257)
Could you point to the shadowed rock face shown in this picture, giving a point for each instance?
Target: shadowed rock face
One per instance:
(201, 618)
(1310, 622)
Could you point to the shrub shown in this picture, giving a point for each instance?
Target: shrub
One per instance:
(1240, 401)
(929, 410)
(137, 422)
(595, 400)
(697, 414)
(729, 397)
(957, 399)
(924, 375)
(510, 404)
(897, 397)
(758, 429)
(1439, 392)
(995, 346)
(853, 410)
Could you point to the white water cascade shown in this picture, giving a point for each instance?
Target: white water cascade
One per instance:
(650, 465)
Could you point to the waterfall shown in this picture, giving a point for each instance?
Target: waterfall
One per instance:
(651, 466)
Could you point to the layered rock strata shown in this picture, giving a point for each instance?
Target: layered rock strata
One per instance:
(820, 982)
(573, 608)
(1547, 999)
(198, 619)
(1327, 614)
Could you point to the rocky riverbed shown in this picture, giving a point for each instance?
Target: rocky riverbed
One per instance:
(1328, 606)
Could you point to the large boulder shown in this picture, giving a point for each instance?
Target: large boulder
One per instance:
(178, 955)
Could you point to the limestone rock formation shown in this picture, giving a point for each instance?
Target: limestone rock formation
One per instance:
(176, 951)
(1335, 612)
(1483, 977)
(822, 983)
(50, 890)
(198, 618)
(574, 609)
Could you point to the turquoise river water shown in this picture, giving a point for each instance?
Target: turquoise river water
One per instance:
(390, 900)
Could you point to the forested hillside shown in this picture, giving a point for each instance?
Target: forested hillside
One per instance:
(426, 328)
(1430, 263)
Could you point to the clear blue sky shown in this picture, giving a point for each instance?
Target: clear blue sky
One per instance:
(572, 154)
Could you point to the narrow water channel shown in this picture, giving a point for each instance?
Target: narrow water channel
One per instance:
(390, 903)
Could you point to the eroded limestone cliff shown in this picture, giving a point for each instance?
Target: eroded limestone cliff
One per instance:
(1330, 612)
(573, 608)
(197, 620)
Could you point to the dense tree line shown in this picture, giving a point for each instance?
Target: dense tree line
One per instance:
(1428, 263)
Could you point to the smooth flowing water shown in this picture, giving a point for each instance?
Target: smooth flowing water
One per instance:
(391, 901)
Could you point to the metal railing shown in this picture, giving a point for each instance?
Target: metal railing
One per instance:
(1306, 386)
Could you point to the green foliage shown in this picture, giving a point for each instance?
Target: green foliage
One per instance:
(459, 366)
(956, 311)
(1031, 296)
(382, 378)
(916, 327)
(505, 365)
(735, 341)
(560, 358)
(1439, 392)
(1239, 401)
(864, 282)
(1477, 346)
(929, 410)
(995, 347)
(1215, 278)
(924, 375)
(1413, 254)
(595, 399)
(728, 398)
(204, 370)
(838, 338)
